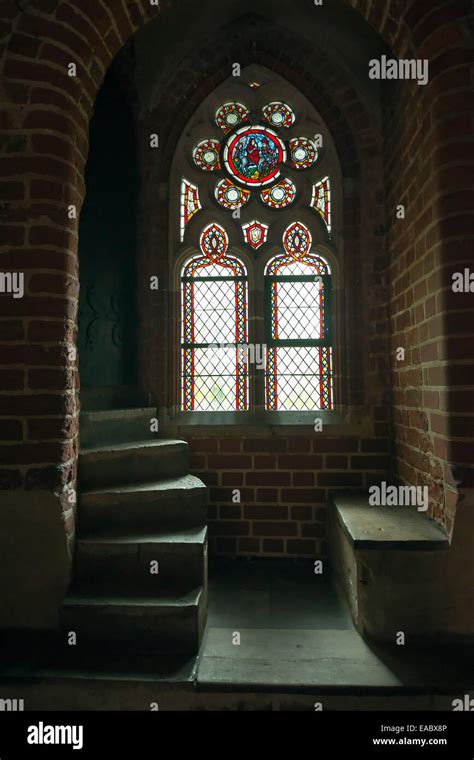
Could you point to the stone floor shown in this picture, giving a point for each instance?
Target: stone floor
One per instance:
(297, 648)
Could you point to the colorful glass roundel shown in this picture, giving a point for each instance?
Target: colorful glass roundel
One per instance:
(279, 114)
(230, 115)
(280, 195)
(230, 196)
(303, 153)
(206, 155)
(253, 156)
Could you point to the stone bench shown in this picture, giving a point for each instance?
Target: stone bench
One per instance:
(388, 561)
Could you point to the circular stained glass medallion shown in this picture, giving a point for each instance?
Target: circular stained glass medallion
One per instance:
(280, 195)
(206, 155)
(253, 156)
(279, 114)
(230, 115)
(303, 153)
(230, 196)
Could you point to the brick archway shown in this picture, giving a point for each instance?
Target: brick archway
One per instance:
(44, 134)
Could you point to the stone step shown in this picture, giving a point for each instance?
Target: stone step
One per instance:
(177, 501)
(47, 654)
(98, 428)
(137, 624)
(126, 561)
(122, 463)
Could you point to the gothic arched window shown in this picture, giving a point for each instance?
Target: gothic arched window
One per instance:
(298, 326)
(214, 325)
(255, 231)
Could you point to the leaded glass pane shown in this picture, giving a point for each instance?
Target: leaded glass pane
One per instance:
(214, 311)
(299, 310)
(214, 325)
(299, 379)
(299, 357)
(212, 377)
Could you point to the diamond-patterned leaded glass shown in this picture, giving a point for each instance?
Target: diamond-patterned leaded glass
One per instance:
(214, 326)
(299, 372)
(299, 379)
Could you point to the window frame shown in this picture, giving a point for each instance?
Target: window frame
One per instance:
(184, 345)
(330, 245)
(274, 343)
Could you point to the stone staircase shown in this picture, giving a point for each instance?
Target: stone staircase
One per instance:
(140, 567)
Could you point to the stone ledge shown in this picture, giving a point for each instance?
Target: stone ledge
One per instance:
(396, 528)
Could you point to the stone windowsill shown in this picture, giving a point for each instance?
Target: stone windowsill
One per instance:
(248, 423)
(256, 418)
(398, 528)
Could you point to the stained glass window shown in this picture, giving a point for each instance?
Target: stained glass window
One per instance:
(321, 200)
(214, 327)
(206, 155)
(230, 115)
(230, 196)
(299, 373)
(278, 114)
(250, 168)
(190, 205)
(253, 155)
(280, 195)
(303, 153)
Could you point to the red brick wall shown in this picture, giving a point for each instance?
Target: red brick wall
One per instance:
(430, 162)
(44, 145)
(284, 481)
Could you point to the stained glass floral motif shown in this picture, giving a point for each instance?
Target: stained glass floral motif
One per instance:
(253, 156)
(214, 327)
(255, 233)
(190, 204)
(280, 195)
(230, 196)
(321, 200)
(206, 155)
(278, 114)
(303, 153)
(299, 372)
(230, 115)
